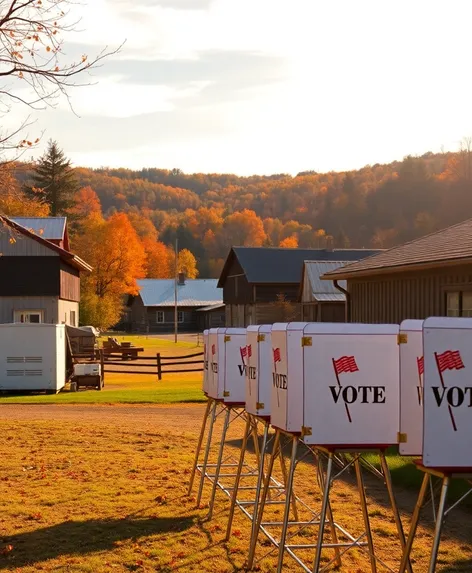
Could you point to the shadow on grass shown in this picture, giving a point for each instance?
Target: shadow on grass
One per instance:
(84, 537)
(462, 566)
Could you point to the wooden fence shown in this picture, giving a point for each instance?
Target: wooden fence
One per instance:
(164, 362)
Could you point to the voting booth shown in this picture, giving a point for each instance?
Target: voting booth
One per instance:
(258, 356)
(351, 384)
(447, 393)
(411, 387)
(205, 362)
(286, 405)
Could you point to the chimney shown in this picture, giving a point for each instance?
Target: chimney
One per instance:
(181, 279)
(329, 243)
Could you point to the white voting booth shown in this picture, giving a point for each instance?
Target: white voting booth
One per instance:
(351, 384)
(206, 362)
(447, 393)
(286, 407)
(411, 387)
(227, 361)
(258, 369)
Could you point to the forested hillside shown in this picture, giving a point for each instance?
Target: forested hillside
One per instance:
(376, 206)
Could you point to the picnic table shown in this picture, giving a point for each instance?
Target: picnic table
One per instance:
(126, 349)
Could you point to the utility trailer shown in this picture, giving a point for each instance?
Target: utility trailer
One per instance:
(33, 357)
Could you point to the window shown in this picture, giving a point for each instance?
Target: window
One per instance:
(160, 316)
(459, 303)
(180, 316)
(72, 318)
(29, 316)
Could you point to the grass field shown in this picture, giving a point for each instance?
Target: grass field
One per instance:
(133, 389)
(89, 495)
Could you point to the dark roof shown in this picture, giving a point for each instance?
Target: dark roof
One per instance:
(66, 256)
(283, 266)
(448, 246)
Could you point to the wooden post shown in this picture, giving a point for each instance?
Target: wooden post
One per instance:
(159, 366)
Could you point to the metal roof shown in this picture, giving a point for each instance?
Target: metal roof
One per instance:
(324, 291)
(284, 266)
(450, 245)
(211, 307)
(49, 228)
(195, 292)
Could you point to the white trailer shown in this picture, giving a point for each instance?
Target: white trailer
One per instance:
(32, 357)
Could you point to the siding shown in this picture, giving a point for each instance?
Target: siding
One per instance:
(69, 283)
(23, 246)
(64, 309)
(236, 289)
(46, 303)
(29, 276)
(242, 315)
(270, 293)
(396, 297)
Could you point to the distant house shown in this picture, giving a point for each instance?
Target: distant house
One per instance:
(431, 276)
(53, 229)
(199, 305)
(262, 285)
(321, 300)
(39, 280)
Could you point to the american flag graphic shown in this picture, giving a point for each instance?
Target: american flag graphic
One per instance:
(420, 363)
(249, 351)
(345, 364)
(213, 349)
(277, 357)
(243, 351)
(449, 360)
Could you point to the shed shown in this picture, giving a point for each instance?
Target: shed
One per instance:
(261, 285)
(321, 300)
(430, 276)
(153, 309)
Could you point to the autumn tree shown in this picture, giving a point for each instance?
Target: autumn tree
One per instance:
(53, 180)
(157, 259)
(15, 203)
(32, 64)
(186, 264)
(244, 228)
(289, 242)
(85, 203)
(117, 256)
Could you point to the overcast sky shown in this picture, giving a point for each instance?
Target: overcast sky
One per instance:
(267, 86)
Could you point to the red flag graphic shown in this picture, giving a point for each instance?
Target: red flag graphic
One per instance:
(449, 360)
(420, 362)
(345, 364)
(249, 351)
(243, 351)
(213, 349)
(277, 357)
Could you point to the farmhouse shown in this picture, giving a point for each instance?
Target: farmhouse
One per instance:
(430, 276)
(262, 285)
(53, 229)
(39, 280)
(321, 301)
(199, 305)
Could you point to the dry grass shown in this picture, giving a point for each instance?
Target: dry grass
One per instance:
(88, 494)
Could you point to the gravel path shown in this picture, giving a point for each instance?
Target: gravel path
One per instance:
(183, 416)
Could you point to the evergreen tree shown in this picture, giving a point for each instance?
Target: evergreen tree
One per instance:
(54, 180)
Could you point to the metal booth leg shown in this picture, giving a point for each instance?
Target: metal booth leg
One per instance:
(393, 503)
(334, 534)
(365, 515)
(265, 490)
(199, 445)
(414, 524)
(207, 451)
(234, 495)
(285, 478)
(439, 524)
(218, 463)
(288, 503)
(260, 479)
(324, 508)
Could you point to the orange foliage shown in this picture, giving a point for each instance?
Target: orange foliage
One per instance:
(86, 202)
(244, 228)
(157, 261)
(289, 243)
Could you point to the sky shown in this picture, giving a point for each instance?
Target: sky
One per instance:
(264, 86)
